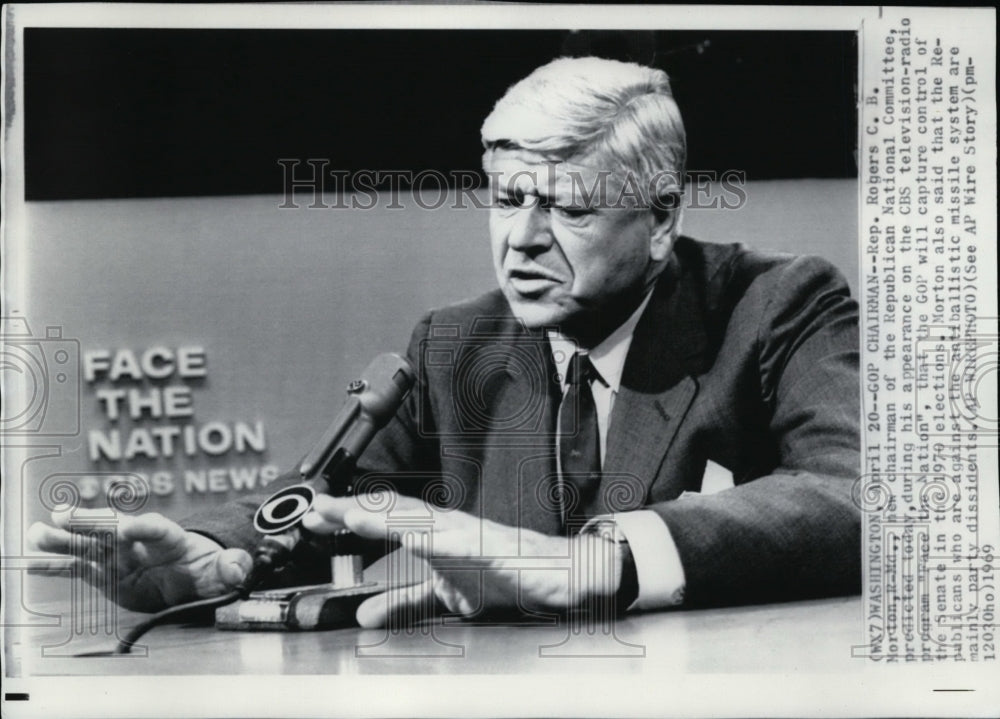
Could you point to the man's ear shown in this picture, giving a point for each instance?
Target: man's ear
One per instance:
(666, 214)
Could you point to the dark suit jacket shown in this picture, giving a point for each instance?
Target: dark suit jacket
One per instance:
(746, 359)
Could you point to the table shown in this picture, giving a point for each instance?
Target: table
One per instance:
(810, 636)
(790, 659)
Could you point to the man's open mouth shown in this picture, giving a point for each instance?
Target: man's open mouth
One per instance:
(530, 283)
(529, 275)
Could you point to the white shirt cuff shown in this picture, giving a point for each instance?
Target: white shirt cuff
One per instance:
(657, 561)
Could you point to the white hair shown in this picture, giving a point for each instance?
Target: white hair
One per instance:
(621, 112)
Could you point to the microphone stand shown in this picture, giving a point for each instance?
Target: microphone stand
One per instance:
(328, 469)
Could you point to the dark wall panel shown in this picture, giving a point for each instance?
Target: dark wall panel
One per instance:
(147, 113)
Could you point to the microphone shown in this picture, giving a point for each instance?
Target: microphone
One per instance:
(372, 400)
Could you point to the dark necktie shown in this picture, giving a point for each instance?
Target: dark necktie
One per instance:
(579, 441)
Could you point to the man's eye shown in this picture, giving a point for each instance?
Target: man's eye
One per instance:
(504, 202)
(574, 213)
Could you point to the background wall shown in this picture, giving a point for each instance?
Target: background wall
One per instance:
(152, 113)
(153, 221)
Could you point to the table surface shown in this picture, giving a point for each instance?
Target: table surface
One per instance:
(812, 636)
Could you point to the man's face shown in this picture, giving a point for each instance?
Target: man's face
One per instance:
(560, 260)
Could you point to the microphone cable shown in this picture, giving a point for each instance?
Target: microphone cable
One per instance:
(171, 615)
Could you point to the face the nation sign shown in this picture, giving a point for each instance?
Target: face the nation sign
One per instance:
(147, 398)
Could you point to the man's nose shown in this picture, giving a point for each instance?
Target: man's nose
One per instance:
(532, 229)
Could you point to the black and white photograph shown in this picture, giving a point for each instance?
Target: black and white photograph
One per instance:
(424, 360)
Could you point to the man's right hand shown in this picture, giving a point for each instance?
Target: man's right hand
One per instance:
(155, 562)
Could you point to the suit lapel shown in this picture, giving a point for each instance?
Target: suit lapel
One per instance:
(656, 391)
(521, 449)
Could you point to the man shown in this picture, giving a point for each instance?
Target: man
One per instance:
(615, 364)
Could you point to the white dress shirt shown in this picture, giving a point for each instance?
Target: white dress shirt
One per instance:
(657, 561)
